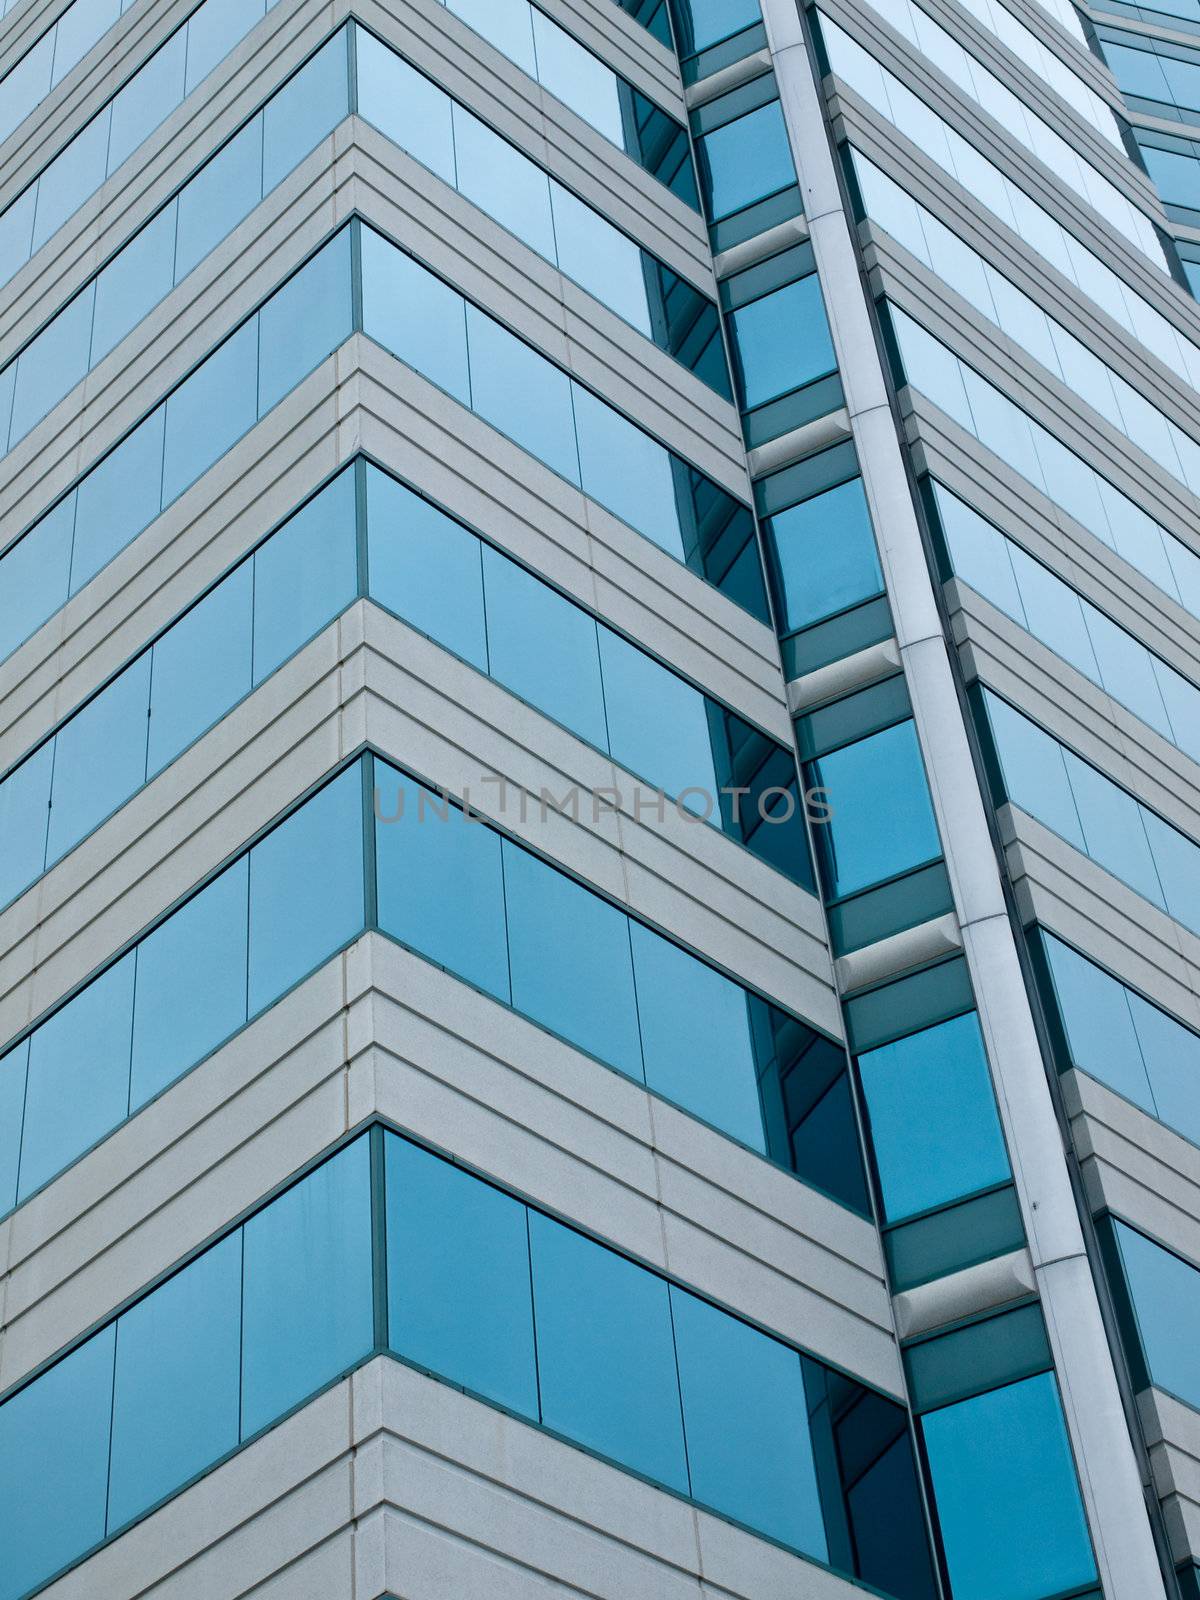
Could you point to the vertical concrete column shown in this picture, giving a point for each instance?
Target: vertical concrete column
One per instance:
(1108, 1467)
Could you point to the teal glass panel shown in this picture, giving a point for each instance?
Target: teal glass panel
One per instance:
(414, 315)
(211, 411)
(696, 1037)
(426, 568)
(304, 321)
(824, 555)
(858, 844)
(627, 472)
(53, 364)
(1001, 1462)
(520, 393)
(148, 99)
(1034, 772)
(459, 1294)
(934, 1126)
(1172, 1056)
(1098, 1023)
(191, 984)
(745, 1417)
(440, 882)
(496, 177)
(403, 104)
(745, 161)
(782, 341)
(543, 648)
(305, 575)
(225, 190)
(606, 1356)
(134, 282)
(54, 1437)
(201, 667)
(306, 889)
(177, 1385)
(1113, 832)
(1165, 1293)
(701, 23)
(295, 1341)
(119, 497)
(78, 1086)
(658, 725)
(24, 821)
(12, 1111)
(36, 575)
(100, 758)
(308, 107)
(570, 962)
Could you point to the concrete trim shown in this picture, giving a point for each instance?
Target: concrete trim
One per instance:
(984, 1287)
(912, 947)
(840, 677)
(1092, 1403)
(378, 1032)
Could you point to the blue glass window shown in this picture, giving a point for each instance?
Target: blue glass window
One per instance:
(121, 495)
(24, 821)
(782, 341)
(606, 1356)
(1001, 1462)
(824, 555)
(211, 411)
(1165, 1294)
(860, 846)
(521, 394)
(177, 1386)
(12, 1109)
(459, 1294)
(745, 161)
(934, 1126)
(415, 315)
(294, 1340)
(201, 667)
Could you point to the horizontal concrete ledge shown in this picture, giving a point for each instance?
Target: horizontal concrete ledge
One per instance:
(379, 1032)
(963, 1294)
(739, 256)
(391, 1483)
(816, 435)
(837, 678)
(727, 78)
(912, 947)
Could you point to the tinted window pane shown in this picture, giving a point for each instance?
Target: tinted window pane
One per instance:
(570, 962)
(201, 668)
(1112, 828)
(627, 471)
(746, 1421)
(100, 758)
(1165, 1291)
(148, 99)
(933, 1117)
(782, 341)
(414, 315)
(504, 23)
(133, 282)
(71, 178)
(426, 568)
(403, 104)
(605, 1353)
(745, 160)
(519, 392)
(303, 321)
(36, 574)
(706, 22)
(214, 30)
(224, 191)
(825, 550)
(304, 575)
(1096, 1018)
(1172, 1057)
(24, 819)
(54, 1465)
(860, 846)
(53, 364)
(211, 411)
(306, 889)
(1001, 1462)
(543, 648)
(12, 1108)
(176, 1391)
(191, 984)
(459, 1297)
(501, 181)
(658, 726)
(117, 499)
(1177, 863)
(696, 1037)
(605, 262)
(294, 1341)
(441, 888)
(1035, 778)
(577, 77)
(304, 111)
(78, 1076)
